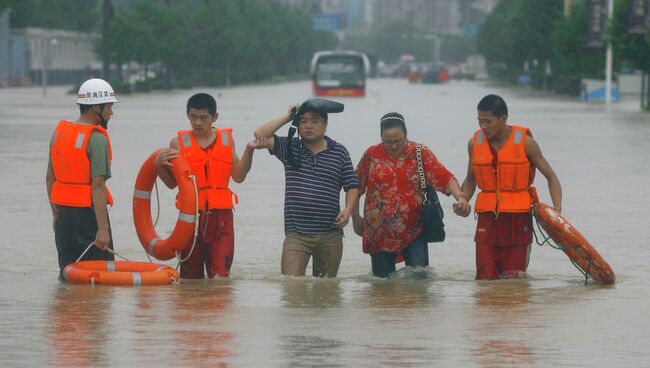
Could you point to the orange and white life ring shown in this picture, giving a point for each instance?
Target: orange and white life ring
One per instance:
(119, 273)
(183, 232)
(576, 247)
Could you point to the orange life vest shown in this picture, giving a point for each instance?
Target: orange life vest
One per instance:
(506, 187)
(212, 168)
(71, 165)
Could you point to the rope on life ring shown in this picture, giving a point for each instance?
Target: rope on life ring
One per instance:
(184, 231)
(126, 273)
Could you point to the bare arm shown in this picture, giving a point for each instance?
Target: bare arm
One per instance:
(241, 167)
(268, 129)
(357, 219)
(536, 158)
(49, 181)
(351, 200)
(468, 187)
(103, 237)
(462, 206)
(163, 165)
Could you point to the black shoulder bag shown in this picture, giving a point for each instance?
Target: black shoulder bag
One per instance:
(431, 213)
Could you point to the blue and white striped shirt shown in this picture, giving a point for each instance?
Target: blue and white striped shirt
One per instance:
(312, 192)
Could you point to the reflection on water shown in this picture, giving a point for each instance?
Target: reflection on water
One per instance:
(311, 292)
(201, 310)
(77, 329)
(311, 351)
(502, 311)
(399, 294)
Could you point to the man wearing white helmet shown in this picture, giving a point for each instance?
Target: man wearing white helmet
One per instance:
(79, 165)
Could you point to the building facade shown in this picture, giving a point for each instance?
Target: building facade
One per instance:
(67, 57)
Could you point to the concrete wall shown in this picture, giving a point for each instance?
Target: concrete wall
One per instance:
(67, 56)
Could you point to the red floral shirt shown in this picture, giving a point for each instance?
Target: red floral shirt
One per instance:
(393, 196)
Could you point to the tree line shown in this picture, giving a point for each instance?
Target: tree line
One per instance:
(539, 39)
(188, 42)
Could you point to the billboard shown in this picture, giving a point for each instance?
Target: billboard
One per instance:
(639, 16)
(328, 22)
(596, 17)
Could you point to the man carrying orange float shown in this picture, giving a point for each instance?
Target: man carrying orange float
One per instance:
(502, 162)
(79, 165)
(211, 155)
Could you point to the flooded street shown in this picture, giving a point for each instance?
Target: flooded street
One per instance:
(260, 319)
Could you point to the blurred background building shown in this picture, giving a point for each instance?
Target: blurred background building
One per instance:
(435, 16)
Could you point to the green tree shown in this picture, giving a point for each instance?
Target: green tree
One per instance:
(572, 59)
(455, 49)
(134, 35)
(631, 47)
(74, 15)
(217, 42)
(391, 40)
(518, 32)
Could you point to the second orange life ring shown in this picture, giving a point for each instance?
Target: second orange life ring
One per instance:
(183, 233)
(119, 273)
(576, 247)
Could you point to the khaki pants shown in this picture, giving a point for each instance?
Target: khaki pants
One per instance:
(326, 249)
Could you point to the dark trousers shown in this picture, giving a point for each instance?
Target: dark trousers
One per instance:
(416, 254)
(75, 228)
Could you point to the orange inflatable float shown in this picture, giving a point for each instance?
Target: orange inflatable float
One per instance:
(119, 273)
(582, 254)
(184, 231)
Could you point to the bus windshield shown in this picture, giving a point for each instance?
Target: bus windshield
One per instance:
(340, 71)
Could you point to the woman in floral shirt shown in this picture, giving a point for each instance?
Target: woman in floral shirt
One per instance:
(389, 178)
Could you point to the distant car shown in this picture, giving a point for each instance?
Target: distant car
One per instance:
(435, 74)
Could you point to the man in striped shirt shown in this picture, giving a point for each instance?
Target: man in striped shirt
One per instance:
(313, 220)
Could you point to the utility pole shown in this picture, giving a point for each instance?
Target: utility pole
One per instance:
(608, 57)
(107, 14)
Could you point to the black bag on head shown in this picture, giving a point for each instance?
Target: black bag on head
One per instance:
(431, 213)
(314, 104)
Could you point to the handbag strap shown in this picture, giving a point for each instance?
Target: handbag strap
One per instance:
(423, 179)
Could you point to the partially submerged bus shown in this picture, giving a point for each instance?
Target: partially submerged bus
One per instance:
(339, 73)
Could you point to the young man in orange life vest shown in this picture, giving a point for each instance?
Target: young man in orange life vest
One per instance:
(502, 162)
(79, 165)
(213, 159)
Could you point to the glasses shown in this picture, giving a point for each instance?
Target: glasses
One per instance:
(395, 142)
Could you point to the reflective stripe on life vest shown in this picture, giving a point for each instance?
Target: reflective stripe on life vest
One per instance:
(504, 188)
(212, 168)
(71, 165)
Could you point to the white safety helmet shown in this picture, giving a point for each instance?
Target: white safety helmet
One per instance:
(95, 92)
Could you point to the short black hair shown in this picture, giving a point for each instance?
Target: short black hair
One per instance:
(202, 101)
(392, 120)
(84, 108)
(494, 104)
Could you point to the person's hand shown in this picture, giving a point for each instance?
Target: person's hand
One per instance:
(462, 207)
(102, 239)
(259, 143)
(292, 110)
(357, 225)
(165, 155)
(342, 219)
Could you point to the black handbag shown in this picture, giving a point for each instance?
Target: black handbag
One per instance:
(431, 213)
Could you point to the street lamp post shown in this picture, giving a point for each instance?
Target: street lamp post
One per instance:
(50, 44)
